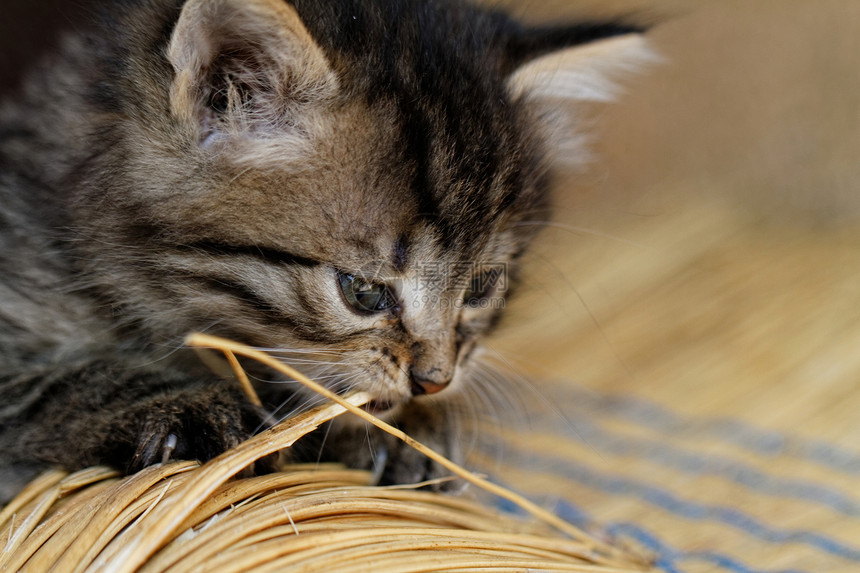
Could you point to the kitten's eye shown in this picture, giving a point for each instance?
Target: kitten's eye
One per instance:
(365, 296)
(480, 288)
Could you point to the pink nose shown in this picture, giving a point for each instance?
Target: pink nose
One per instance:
(423, 386)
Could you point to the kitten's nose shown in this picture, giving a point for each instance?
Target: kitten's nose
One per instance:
(427, 383)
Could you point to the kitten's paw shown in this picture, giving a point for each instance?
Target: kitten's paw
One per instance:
(189, 425)
(391, 460)
(405, 465)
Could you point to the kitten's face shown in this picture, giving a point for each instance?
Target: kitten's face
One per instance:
(359, 209)
(330, 251)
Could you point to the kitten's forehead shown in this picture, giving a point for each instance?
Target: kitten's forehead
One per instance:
(394, 189)
(422, 156)
(423, 253)
(435, 71)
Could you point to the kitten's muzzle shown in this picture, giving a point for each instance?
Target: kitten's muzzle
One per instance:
(434, 359)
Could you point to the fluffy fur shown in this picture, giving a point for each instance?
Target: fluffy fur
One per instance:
(217, 165)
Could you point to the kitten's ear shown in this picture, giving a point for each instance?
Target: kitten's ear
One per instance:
(581, 63)
(244, 66)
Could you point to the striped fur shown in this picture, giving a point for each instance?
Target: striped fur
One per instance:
(213, 165)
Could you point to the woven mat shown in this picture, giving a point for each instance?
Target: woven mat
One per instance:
(698, 394)
(705, 404)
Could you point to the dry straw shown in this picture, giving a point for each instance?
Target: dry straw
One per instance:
(183, 517)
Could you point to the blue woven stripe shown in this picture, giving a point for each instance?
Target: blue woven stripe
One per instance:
(667, 557)
(758, 440)
(699, 511)
(603, 441)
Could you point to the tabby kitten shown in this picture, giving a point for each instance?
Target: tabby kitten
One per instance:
(345, 181)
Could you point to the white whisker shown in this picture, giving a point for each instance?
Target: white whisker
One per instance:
(584, 231)
(545, 401)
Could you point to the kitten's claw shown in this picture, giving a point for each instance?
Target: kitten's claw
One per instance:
(148, 447)
(380, 460)
(169, 446)
(156, 443)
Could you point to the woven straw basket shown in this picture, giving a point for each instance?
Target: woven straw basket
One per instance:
(182, 516)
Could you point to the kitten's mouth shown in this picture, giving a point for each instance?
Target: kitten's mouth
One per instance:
(376, 407)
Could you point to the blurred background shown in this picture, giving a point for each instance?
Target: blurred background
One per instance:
(692, 315)
(756, 99)
(710, 253)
